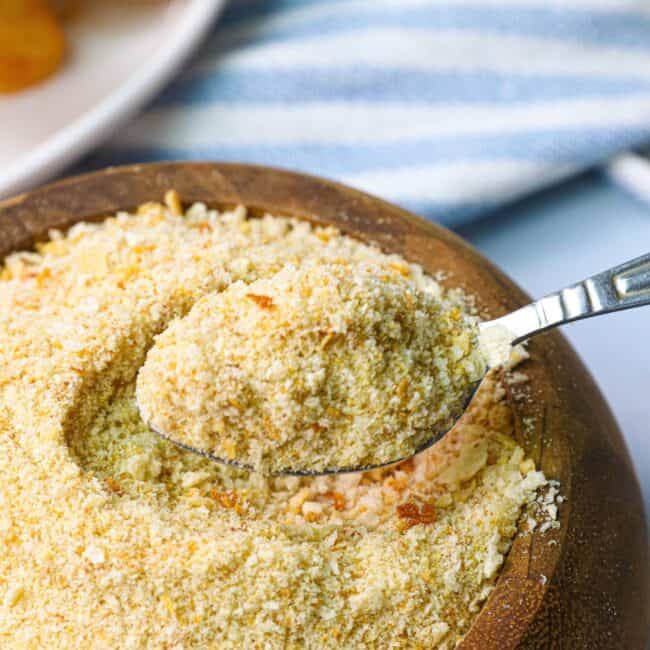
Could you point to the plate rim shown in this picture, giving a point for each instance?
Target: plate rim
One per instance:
(78, 137)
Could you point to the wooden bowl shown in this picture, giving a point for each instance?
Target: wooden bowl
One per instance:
(585, 585)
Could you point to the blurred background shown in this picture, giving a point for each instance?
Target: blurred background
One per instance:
(518, 123)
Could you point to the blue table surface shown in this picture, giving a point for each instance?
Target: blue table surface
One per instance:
(561, 236)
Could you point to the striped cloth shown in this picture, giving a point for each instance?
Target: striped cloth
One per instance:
(447, 107)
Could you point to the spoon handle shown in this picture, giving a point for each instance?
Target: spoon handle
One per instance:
(621, 287)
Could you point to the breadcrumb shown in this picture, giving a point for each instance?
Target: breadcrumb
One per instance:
(114, 538)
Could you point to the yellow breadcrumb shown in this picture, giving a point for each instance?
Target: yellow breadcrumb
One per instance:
(115, 538)
(320, 366)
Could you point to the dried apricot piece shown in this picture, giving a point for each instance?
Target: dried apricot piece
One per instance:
(32, 44)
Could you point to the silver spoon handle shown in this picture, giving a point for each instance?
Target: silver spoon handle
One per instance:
(621, 287)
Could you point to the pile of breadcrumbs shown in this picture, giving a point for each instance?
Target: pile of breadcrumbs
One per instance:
(114, 538)
(320, 366)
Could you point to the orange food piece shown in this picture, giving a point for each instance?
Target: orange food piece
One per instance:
(265, 302)
(225, 499)
(32, 44)
(411, 514)
(338, 500)
(114, 486)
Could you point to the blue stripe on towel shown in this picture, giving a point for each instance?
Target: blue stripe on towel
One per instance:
(588, 146)
(372, 84)
(604, 28)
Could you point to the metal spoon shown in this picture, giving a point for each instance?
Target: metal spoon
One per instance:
(621, 287)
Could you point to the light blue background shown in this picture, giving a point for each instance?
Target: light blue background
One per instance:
(564, 235)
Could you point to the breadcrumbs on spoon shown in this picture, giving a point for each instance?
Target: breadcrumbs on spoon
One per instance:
(321, 366)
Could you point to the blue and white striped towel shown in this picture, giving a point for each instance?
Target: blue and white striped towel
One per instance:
(448, 107)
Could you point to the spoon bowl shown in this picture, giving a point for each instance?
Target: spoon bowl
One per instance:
(435, 437)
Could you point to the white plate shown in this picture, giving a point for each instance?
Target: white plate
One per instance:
(120, 56)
